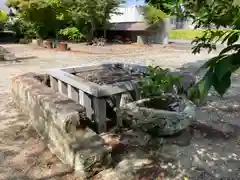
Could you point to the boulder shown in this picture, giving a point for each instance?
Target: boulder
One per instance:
(159, 116)
(5, 55)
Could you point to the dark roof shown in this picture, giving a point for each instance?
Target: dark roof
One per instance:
(129, 26)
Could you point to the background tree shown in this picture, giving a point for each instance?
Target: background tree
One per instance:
(3, 19)
(94, 13)
(153, 15)
(41, 13)
(72, 18)
(164, 5)
(109, 7)
(170, 7)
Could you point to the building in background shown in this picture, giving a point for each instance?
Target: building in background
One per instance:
(131, 24)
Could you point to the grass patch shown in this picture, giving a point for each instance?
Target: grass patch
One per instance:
(188, 34)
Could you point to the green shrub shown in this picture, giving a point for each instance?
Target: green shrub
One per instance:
(72, 33)
(190, 34)
(22, 28)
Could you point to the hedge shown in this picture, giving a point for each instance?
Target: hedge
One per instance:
(188, 34)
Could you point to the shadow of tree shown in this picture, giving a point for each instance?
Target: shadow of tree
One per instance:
(23, 155)
(212, 153)
(20, 59)
(209, 155)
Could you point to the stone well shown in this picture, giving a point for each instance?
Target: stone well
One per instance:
(88, 86)
(98, 87)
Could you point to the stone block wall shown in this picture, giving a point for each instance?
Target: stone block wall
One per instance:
(58, 121)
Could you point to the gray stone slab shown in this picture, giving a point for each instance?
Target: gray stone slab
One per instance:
(93, 88)
(54, 84)
(76, 69)
(118, 101)
(73, 93)
(99, 106)
(86, 86)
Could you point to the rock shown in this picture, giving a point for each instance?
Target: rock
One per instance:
(158, 121)
(6, 55)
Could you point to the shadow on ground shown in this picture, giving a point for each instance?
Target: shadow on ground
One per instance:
(23, 155)
(19, 59)
(208, 150)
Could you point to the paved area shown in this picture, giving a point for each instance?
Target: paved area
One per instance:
(24, 156)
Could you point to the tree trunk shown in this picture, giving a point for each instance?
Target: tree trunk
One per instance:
(105, 31)
(92, 31)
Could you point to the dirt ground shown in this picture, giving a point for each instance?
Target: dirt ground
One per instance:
(203, 152)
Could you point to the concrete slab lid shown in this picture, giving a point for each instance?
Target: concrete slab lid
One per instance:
(125, 65)
(93, 88)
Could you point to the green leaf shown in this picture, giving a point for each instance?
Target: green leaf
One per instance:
(233, 38)
(230, 48)
(227, 37)
(221, 86)
(227, 49)
(205, 84)
(222, 68)
(211, 62)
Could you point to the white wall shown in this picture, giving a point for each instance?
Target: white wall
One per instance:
(128, 14)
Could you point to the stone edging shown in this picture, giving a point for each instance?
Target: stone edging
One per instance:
(56, 118)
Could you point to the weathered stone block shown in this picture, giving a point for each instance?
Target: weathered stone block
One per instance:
(56, 118)
(5, 55)
(144, 115)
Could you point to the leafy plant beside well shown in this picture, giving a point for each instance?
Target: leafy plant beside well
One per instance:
(158, 82)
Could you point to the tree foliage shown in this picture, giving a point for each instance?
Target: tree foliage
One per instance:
(170, 7)
(23, 29)
(219, 69)
(3, 19)
(3, 16)
(164, 5)
(50, 16)
(152, 14)
(41, 13)
(94, 13)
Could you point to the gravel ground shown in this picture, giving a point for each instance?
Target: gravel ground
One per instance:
(24, 156)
